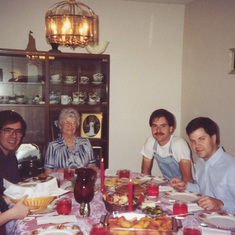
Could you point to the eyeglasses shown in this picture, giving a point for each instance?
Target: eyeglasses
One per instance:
(68, 123)
(10, 131)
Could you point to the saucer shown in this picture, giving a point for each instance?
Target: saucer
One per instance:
(55, 81)
(84, 83)
(69, 82)
(92, 103)
(97, 83)
(74, 102)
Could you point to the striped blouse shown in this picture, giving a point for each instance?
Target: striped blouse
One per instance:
(58, 155)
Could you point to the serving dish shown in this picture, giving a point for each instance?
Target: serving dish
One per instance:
(41, 202)
(118, 202)
(140, 224)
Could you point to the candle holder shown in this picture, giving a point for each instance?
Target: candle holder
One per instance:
(84, 189)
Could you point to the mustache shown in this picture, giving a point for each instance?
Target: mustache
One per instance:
(159, 133)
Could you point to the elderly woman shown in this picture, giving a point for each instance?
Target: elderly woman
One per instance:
(69, 150)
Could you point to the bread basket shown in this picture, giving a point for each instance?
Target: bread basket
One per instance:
(41, 202)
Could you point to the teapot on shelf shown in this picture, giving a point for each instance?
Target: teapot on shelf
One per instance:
(54, 97)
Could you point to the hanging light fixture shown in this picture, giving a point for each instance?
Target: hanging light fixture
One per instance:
(72, 24)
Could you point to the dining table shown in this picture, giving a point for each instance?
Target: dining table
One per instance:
(98, 209)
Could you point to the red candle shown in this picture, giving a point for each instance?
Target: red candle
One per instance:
(102, 174)
(130, 196)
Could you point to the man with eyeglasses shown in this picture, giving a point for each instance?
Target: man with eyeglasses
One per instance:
(12, 131)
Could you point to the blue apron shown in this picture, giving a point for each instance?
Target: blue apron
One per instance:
(168, 165)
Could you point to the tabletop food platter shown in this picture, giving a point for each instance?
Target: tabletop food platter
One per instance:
(185, 196)
(57, 230)
(218, 219)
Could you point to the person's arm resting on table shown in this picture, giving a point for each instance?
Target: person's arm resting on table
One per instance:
(185, 169)
(146, 166)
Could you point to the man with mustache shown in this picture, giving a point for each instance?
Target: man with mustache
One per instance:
(171, 152)
(215, 170)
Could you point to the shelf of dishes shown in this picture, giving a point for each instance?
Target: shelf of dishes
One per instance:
(97, 79)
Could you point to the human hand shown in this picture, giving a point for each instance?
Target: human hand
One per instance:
(178, 184)
(60, 170)
(210, 203)
(20, 210)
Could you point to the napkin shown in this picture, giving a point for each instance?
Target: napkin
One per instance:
(56, 219)
(45, 189)
(109, 172)
(213, 231)
(191, 207)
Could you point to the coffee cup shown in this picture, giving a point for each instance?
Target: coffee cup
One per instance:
(98, 77)
(76, 97)
(55, 77)
(84, 79)
(20, 99)
(94, 98)
(70, 78)
(82, 96)
(4, 99)
(65, 99)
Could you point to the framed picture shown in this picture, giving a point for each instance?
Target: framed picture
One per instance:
(91, 125)
(55, 130)
(97, 150)
(232, 63)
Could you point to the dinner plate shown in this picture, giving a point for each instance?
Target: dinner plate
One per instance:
(155, 179)
(185, 196)
(57, 230)
(218, 219)
(34, 181)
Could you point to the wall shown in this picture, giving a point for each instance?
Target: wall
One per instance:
(207, 88)
(146, 62)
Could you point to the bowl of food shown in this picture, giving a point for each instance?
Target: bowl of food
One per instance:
(40, 202)
(140, 224)
(118, 202)
(137, 189)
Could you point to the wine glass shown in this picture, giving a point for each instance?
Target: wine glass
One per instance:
(84, 189)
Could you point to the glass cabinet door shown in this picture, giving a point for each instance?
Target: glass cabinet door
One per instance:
(78, 81)
(22, 79)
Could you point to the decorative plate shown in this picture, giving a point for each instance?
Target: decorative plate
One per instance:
(185, 196)
(57, 230)
(218, 219)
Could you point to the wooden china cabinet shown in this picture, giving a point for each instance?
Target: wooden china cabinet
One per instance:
(27, 88)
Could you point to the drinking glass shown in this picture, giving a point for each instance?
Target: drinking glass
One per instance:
(98, 229)
(68, 173)
(180, 208)
(124, 173)
(64, 206)
(152, 189)
(84, 189)
(192, 230)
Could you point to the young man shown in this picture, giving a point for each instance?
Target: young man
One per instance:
(12, 131)
(215, 170)
(171, 152)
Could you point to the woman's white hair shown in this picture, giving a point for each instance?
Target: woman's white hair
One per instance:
(69, 112)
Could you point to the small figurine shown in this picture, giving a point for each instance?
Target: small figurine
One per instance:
(31, 43)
